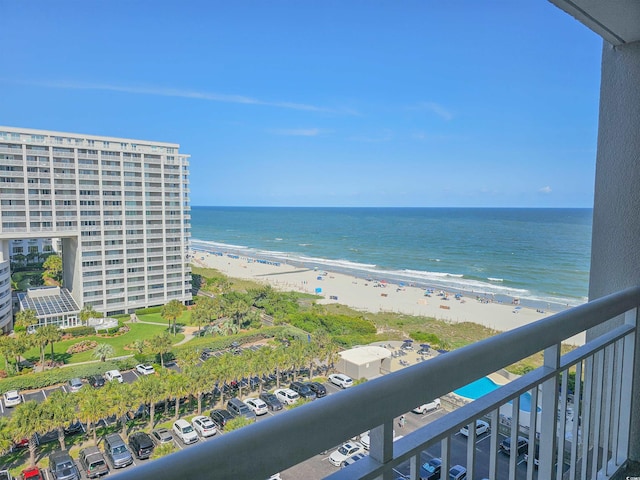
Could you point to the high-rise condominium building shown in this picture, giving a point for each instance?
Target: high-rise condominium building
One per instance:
(120, 207)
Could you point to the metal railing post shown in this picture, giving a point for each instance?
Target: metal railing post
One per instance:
(548, 435)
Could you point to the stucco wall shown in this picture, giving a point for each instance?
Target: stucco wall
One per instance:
(615, 257)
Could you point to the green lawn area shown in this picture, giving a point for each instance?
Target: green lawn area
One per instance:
(138, 331)
(185, 319)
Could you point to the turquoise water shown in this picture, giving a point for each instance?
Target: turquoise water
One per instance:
(541, 256)
(484, 385)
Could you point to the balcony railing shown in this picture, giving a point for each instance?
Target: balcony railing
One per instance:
(593, 442)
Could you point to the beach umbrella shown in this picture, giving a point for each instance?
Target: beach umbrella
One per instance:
(408, 341)
(425, 345)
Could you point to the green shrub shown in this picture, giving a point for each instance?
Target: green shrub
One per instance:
(146, 311)
(424, 337)
(80, 331)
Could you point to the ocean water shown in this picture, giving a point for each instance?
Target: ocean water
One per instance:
(540, 256)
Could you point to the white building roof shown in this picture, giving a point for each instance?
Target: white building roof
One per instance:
(364, 355)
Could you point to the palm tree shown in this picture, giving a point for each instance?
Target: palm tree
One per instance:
(178, 387)
(6, 438)
(59, 410)
(26, 422)
(203, 312)
(262, 363)
(92, 407)
(102, 351)
(297, 356)
(238, 309)
(121, 399)
(223, 369)
(202, 380)
(160, 344)
(88, 312)
(189, 359)
(40, 339)
(150, 390)
(26, 318)
(172, 311)
(21, 343)
(52, 334)
(6, 349)
(279, 357)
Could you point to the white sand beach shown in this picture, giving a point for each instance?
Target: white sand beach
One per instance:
(373, 296)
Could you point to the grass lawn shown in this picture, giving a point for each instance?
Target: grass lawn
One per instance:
(138, 331)
(185, 319)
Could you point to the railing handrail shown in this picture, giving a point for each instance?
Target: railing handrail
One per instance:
(306, 431)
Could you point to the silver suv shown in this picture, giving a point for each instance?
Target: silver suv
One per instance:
(62, 466)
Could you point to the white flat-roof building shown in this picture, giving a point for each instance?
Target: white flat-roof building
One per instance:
(120, 207)
(368, 362)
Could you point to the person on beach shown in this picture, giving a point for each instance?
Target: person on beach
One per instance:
(402, 420)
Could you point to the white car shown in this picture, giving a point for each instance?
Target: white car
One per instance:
(338, 457)
(341, 380)
(145, 369)
(113, 375)
(258, 406)
(204, 426)
(427, 407)
(185, 432)
(481, 427)
(286, 396)
(12, 398)
(365, 439)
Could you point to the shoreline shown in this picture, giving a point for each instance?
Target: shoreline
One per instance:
(375, 296)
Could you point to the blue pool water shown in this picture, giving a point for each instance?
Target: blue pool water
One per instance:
(484, 385)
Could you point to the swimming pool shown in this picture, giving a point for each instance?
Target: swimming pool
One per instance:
(484, 385)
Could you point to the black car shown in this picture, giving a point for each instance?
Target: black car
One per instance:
(317, 388)
(73, 428)
(303, 390)
(220, 418)
(96, 381)
(271, 400)
(141, 445)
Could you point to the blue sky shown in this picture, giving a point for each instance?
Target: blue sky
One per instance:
(323, 103)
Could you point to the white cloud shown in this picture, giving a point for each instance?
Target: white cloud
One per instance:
(436, 108)
(297, 132)
(181, 93)
(546, 189)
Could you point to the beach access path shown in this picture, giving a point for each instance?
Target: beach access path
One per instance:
(374, 296)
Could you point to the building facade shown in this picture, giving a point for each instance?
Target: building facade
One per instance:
(120, 208)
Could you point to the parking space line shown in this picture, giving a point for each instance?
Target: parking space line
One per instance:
(44, 394)
(1, 408)
(64, 389)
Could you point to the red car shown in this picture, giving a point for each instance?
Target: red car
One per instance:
(33, 473)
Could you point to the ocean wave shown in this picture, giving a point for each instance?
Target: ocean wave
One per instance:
(493, 287)
(278, 239)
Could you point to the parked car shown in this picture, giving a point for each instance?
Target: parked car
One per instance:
(536, 457)
(481, 427)
(286, 396)
(74, 427)
(140, 412)
(92, 462)
(431, 470)
(161, 435)
(141, 445)
(238, 408)
(345, 451)
(319, 389)
(33, 473)
(185, 432)
(74, 385)
(427, 407)
(258, 406)
(220, 418)
(62, 466)
(117, 451)
(204, 426)
(303, 390)
(353, 459)
(96, 381)
(271, 400)
(457, 472)
(341, 380)
(522, 445)
(11, 398)
(145, 369)
(113, 375)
